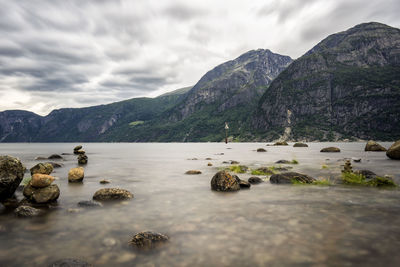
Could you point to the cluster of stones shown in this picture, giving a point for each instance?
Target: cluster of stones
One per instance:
(347, 166)
(82, 158)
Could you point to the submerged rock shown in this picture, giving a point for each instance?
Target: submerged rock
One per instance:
(394, 151)
(112, 194)
(42, 168)
(283, 161)
(41, 180)
(11, 174)
(281, 143)
(330, 149)
(55, 156)
(291, 177)
(193, 172)
(223, 181)
(148, 240)
(26, 211)
(255, 180)
(234, 162)
(55, 165)
(76, 175)
(70, 263)
(374, 146)
(261, 150)
(90, 204)
(41, 195)
(366, 173)
(300, 145)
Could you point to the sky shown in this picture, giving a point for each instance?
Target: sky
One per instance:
(59, 53)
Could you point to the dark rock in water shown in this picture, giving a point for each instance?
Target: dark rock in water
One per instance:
(394, 151)
(112, 194)
(42, 168)
(330, 149)
(41, 195)
(356, 159)
(89, 204)
(148, 240)
(366, 173)
(208, 158)
(261, 150)
(234, 162)
(41, 158)
(225, 162)
(283, 161)
(209, 164)
(193, 172)
(104, 181)
(64, 154)
(55, 156)
(26, 211)
(300, 145)
(281, 143)
(244, 184)
(70, 263)
(290, 177)
(79, 152)
(77, 148)
(11, 174)
(374, 146)
(82, 159)
(55, 165)
(255, 180)
(11, 203)
(223, 181)
(265, 171)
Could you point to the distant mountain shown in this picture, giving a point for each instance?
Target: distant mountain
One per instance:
(348, 85)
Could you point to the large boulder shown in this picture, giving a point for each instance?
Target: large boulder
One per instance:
(300, 145)
(291, 177)
(112, 194)
(223, 181)
(41, 180)
(374, 146)
(148, 240)
(330, 149)
(41, 195)
(11, 174)
(394, 151)
(76, 175)
(26, 211)
(42, 168)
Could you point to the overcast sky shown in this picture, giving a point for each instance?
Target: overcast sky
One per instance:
(61, 53)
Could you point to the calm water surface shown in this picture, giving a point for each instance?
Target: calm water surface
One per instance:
(267, 225)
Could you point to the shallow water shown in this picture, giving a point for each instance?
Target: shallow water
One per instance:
(267, 225)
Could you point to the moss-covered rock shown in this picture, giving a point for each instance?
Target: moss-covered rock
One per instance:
(223, 181)
(291, 178)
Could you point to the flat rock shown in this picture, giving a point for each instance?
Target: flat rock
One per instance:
(42, 168)
(70, 263)
(394, 151)
(255, 180)
(300, 145)
(55, 156)
(223, 181)
(290, 177)
(374, 146)
(330, 149)
(76, 175)
(193, 172)
(148, 240)
(26, 211)
(112, 194)
(11, 174)
(261, 150)
(41, 195)
(41, 180)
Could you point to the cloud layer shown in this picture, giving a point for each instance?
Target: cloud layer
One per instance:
(60, 53)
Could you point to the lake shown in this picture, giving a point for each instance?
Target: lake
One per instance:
(266, 225)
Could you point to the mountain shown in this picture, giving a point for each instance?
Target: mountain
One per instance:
(97, 123)
(346, 86)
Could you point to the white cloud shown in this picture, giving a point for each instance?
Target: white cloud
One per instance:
(60, 53)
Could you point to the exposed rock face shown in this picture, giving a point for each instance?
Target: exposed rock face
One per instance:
(223, 181)
(19, 125)
(26, 211)
(41, 195)
(290, 177)
(255, 180)
(394, 151)
(112, 194)
(348, 84)
(148, 240)
(11, 174)
(300, 145)
(42, 168)
(41, 180)
(374, 146)
(330, 149)
(76, 175)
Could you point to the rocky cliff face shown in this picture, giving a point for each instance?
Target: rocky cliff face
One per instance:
(18, 125)
(348, 84)
(236, 82)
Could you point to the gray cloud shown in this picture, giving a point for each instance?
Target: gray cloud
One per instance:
(74, 53)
